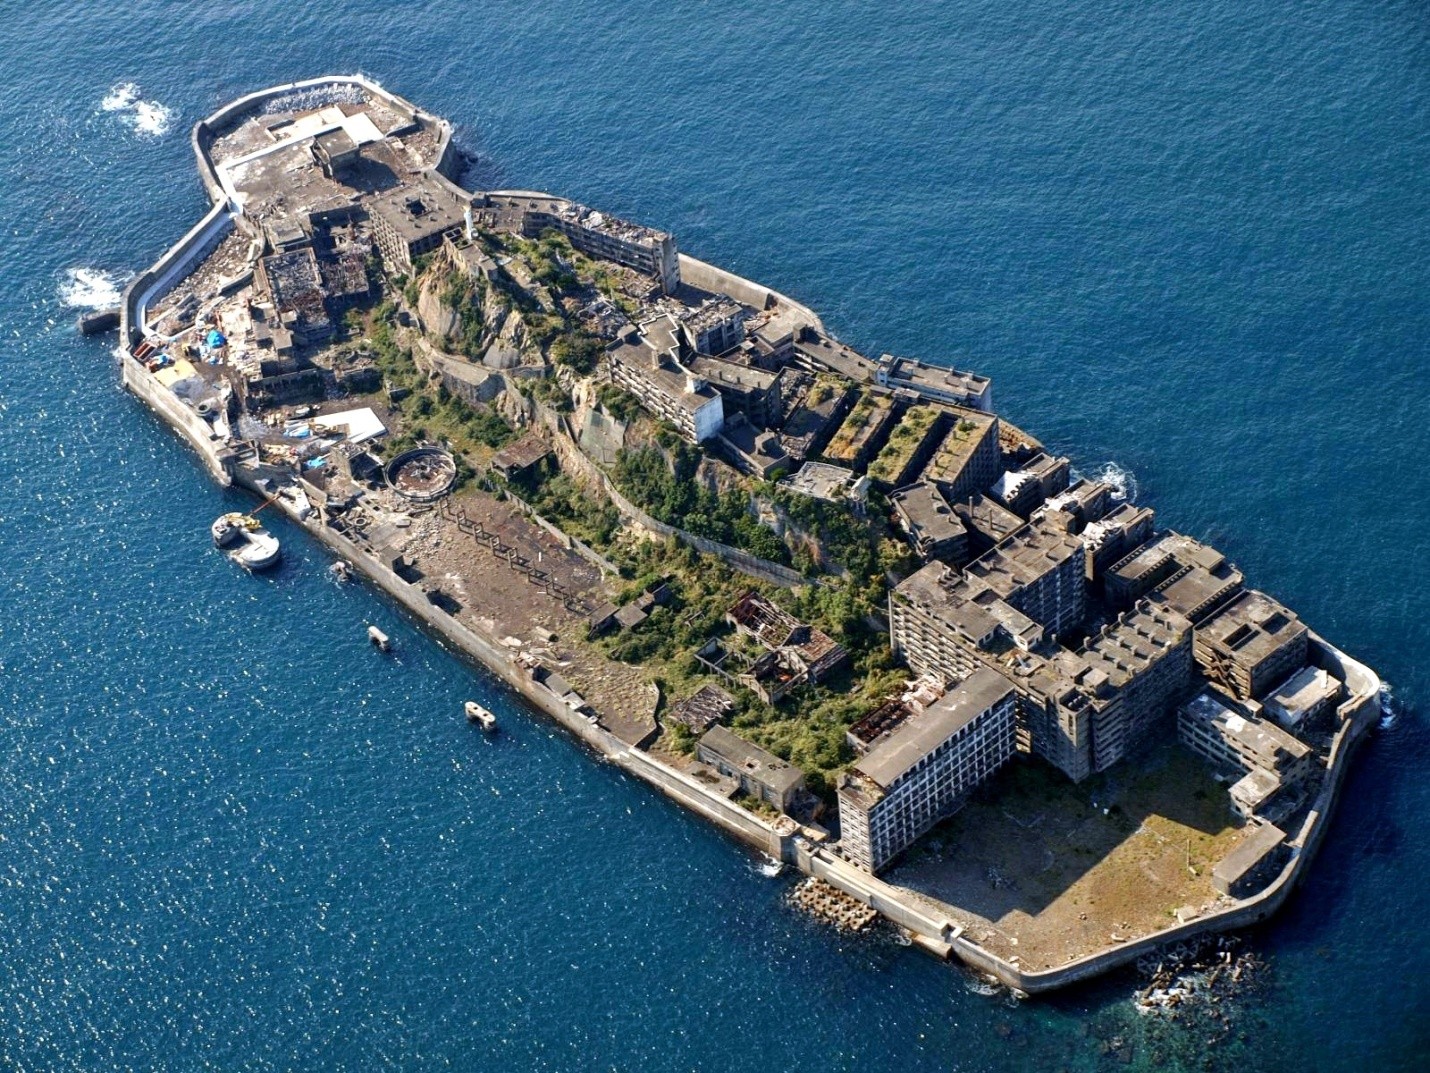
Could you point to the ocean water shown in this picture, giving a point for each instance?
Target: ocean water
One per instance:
(1190, 241)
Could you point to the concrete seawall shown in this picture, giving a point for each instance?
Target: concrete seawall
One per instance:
(940, 931)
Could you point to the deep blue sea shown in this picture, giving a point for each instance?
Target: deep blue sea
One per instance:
(1188, 238)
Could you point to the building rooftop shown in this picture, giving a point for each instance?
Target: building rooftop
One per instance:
(712, 312)
(914, 375)
(1123, 518)
(821, 481)
(1264, 840)
(1304, 691)
(1272, 746)
(708, 706)
(759, 451)
(926, 513)
(525, 452)
(1251, 627)
(1085, 500)
(1139, 638)
(623, 230)
(418, 210)
(901, 751)
(993, 520)
(910, 435)
(1027, 555)
(959, 445)
(834, 355)
(1196, 592)
(974, 611)
(780, 775)
(730, 375)
(861, 425)
(1012, 484)
(1165, 554)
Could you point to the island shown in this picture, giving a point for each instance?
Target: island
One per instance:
(835, 604)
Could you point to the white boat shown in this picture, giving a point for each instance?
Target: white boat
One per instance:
(479, 715)
(246, 541)
(379, 639)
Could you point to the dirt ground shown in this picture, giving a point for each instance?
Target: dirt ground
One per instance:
(505, 604)
(1046, 871)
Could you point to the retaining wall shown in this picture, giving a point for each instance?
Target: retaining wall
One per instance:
(160, 277)
(193, 428)
(567, 540)
(743, 561)
(710, 277)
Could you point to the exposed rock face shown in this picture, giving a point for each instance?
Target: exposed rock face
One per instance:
(438, 319)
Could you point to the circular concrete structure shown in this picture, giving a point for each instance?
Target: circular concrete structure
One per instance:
(422, 474)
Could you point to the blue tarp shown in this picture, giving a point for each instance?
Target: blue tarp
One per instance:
(216, 338)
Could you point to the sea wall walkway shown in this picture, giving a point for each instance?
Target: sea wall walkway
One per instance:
(935, 929)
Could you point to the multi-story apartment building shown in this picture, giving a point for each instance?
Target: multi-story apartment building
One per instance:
(1270, 758)
(923, 771)
(1189, 576)
(716, 325)
(409, 221)
(1251, 645)
(935, 383)
(1109, 539)
(596, 234)
(1038, 570)
(759, 773)
(1024, 489)
(968, 459)
(1146, 658)
(645, 361)
(943, 626)
(746, 390)
(932, 527)
(1082, 711)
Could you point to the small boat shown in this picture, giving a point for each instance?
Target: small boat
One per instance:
(480, 716)
(246, 541)
(379, 639)
(342, 570)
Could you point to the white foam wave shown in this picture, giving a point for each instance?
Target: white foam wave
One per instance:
(1389, 712)
(152, 118)
(148, 118)
(1122, 481)
(91, 288)
(769, 867)
(120, 97)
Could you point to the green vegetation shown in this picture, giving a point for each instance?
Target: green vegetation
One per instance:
(430, 411)
(906, 439)
(619, 403)
(590, 518)
(857, 427)
(666, 487)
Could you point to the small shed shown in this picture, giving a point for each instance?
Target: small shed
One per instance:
(519, 458)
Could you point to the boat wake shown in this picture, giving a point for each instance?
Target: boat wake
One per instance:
(147, 118)
(92, 288)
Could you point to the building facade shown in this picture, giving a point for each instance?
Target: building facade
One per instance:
(923, 771)
(1040, 571)
(596, 234)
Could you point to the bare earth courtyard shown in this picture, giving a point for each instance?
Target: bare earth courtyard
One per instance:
(1044, 869)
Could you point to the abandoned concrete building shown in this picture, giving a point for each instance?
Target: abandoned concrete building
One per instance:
(923, 771)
